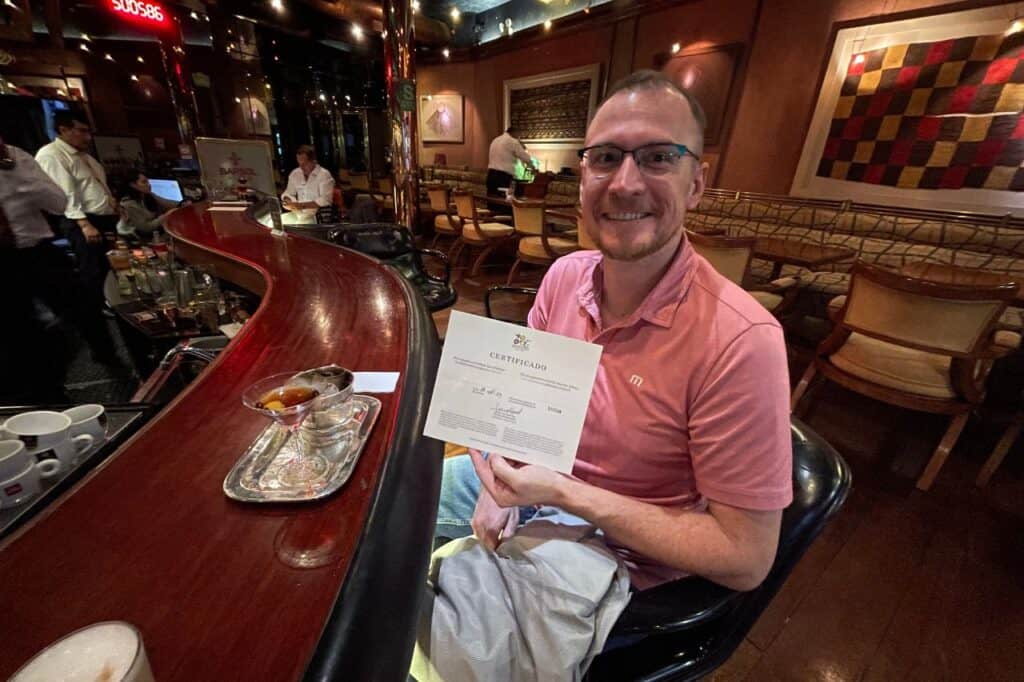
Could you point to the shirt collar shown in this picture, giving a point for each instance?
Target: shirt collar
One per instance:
(65, 147)
(660, 305)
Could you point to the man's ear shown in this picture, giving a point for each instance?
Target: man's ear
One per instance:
(697, 185)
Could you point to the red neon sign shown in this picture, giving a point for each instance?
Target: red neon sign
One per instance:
(141, 10)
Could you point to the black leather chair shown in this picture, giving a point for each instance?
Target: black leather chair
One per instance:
(516, 294)
(394, 245)
(686, 629)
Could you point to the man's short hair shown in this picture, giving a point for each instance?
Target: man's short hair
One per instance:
(648, 79)
(307, 151)
(65, 118)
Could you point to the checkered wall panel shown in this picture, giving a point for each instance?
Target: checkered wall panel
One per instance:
(941, 115)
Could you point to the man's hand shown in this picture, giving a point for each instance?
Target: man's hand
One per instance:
(518, 486)
(492, 523)
(92, 235)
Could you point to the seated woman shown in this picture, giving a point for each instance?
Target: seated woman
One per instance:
(142, 212)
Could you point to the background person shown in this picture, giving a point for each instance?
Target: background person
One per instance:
(505, 150)
(142, 212)
(90, 217)
(310, 187)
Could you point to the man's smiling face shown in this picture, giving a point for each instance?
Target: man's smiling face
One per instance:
(629, 213)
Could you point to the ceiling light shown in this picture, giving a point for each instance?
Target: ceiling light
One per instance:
(357, 31)
(193, 15)
(84, 47)
(85, 36)
(415, 5)
(1016, 27)
(547, 25)
(108, 57)
(238, 100)
(135, 78)
(277, 5)
(455, 14)
(140, 60)
(323, 98)
(446, 53)
(676, 47)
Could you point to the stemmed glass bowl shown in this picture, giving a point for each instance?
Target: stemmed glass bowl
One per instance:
(288, 399)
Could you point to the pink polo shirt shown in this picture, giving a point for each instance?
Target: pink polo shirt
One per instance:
(691, 400)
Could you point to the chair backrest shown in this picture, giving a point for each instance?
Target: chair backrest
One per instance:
(528, 216)
(380, 240)
(509, 304)
(730, 256)
(360, 181)
(364, 209)
(465, 205)
(953, 320)
(439, 197)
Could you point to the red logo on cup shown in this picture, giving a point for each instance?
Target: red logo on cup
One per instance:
(13, 489)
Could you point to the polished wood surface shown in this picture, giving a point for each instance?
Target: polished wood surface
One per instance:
(220, 590)
(792, 252)
(951, 274)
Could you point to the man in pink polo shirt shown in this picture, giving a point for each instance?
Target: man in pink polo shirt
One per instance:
(685, 458)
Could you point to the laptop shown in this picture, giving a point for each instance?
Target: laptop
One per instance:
(166, 189)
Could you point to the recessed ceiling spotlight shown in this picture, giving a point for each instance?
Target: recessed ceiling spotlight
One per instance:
(446, 53)
(455, 14)
(676, 47)
(547, 25)
(357, 31)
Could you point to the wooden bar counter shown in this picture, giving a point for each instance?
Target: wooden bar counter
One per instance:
(228, 591)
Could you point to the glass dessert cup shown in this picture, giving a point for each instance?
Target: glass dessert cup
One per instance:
(288, 399)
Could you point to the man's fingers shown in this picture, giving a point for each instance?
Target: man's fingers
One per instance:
(483, 471)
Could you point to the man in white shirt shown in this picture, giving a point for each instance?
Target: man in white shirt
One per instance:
(91, 211)
(32, 358)
(310, 187)
(505, 150)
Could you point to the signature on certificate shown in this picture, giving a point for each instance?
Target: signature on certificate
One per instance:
(507, 414)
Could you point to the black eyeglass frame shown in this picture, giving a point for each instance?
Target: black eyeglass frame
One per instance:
(681, 148)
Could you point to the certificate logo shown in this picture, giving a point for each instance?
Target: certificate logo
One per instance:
(520, 342)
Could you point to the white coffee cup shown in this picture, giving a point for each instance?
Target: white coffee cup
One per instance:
(14, 457)
(89, 419)
(111, 651)
(20, 488)
(47, 435)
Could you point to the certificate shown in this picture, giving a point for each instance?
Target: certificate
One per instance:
(511, 390)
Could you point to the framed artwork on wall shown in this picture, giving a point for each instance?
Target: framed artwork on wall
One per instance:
(925, 112)
(441, 118)
(708, 74)
(555, 107)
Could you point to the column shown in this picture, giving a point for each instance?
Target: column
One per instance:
(400, 79)
(179, 83)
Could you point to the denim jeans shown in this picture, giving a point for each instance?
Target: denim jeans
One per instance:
(460, 487)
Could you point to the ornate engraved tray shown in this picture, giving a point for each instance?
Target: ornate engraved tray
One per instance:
(256, 477)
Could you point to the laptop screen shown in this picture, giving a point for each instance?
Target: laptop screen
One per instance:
(166, 189)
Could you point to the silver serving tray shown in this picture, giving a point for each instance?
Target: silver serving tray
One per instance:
(256, 476)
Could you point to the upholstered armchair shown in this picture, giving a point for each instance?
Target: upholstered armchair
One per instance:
(538, 243)
(914, 343)
(446, 222)
(731, 257)
(476, 232)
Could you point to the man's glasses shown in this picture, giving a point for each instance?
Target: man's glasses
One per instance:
(652, 159)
